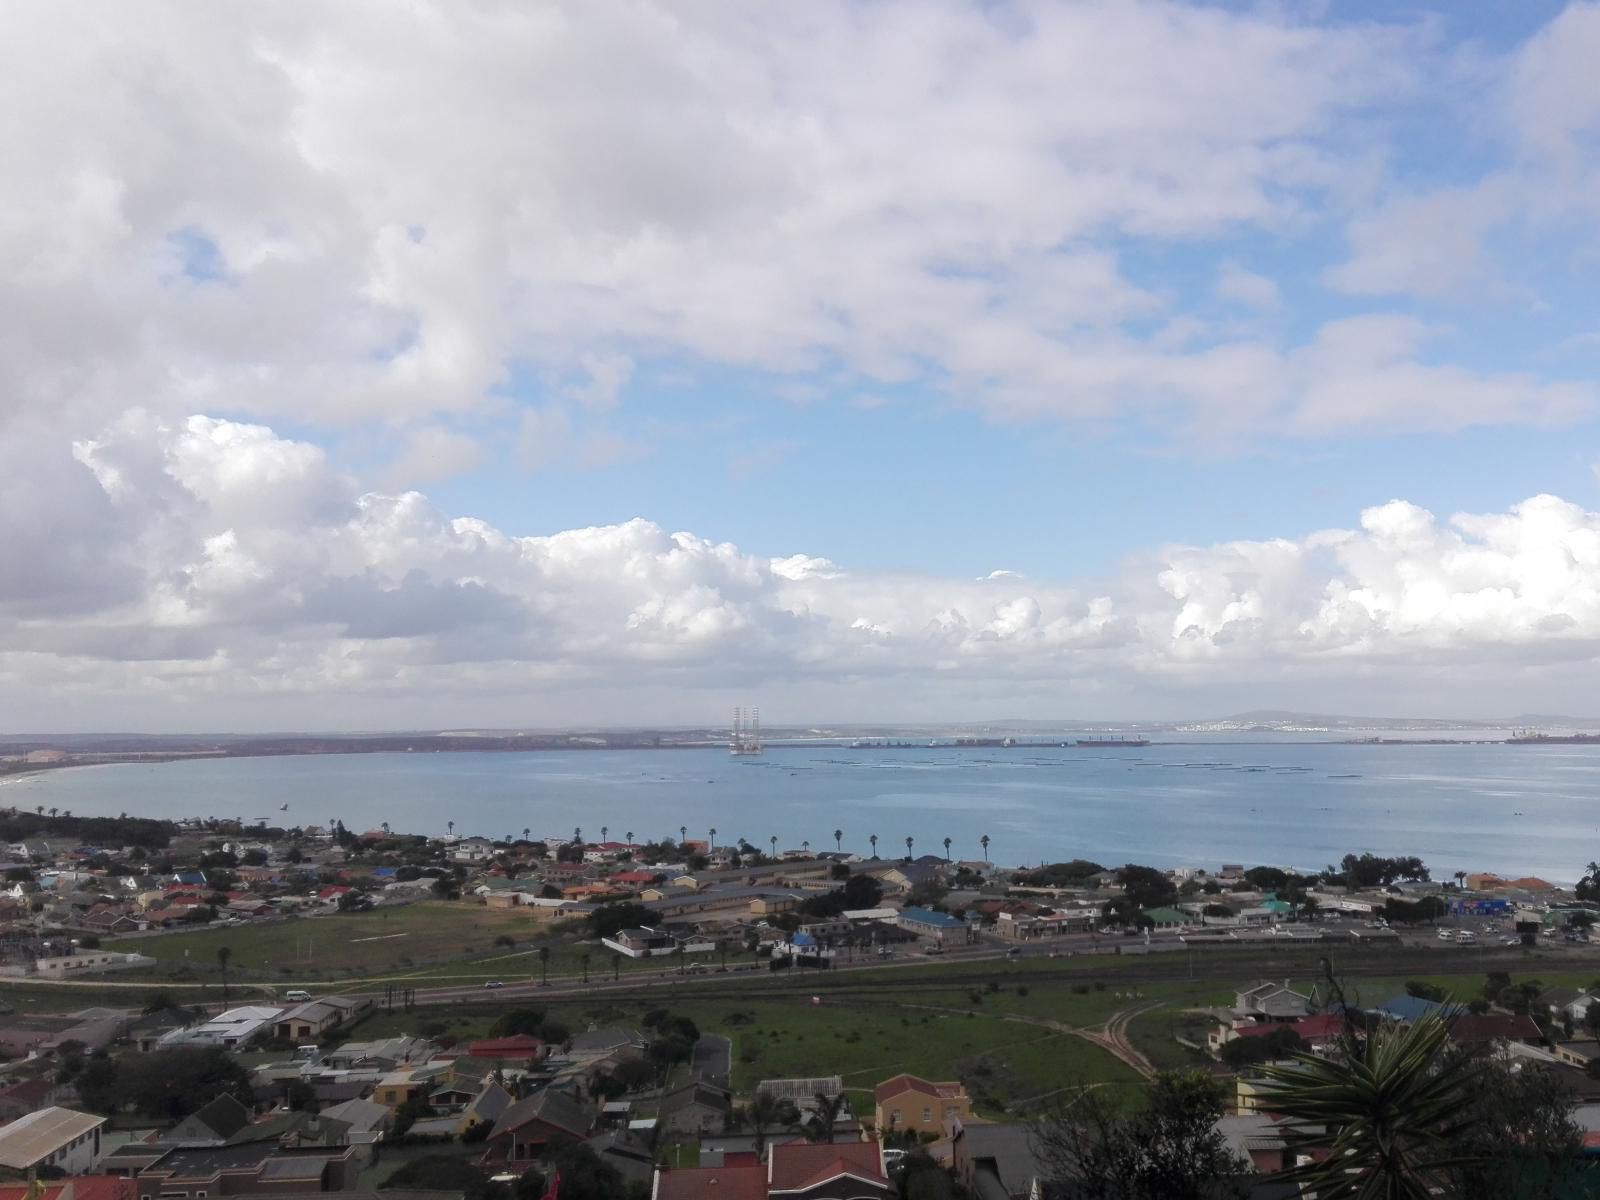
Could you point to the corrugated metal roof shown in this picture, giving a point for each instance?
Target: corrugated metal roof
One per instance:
(40, 1134)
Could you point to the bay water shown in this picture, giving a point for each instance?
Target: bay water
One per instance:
(1517, 810)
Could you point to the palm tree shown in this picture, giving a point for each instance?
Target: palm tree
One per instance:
(984, 842)
(806, 846)
(947, 849)
(874, 840)
(54, 811)
(544, 963)
(908, 847)
(527, 833)
(763, 1110)
(223, 955)
(824, 1115)
(1393, 1103)
(774, 841)
(584, 959)
(711, 838)
(838, 840)
(683, 834)
(384, 827)
(577, 835)
(450, 826)
(629, 836)
(604, 829)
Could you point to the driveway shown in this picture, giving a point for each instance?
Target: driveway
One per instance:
(713, 1059)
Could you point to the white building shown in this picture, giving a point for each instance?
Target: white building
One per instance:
(235, 1028)
(52, 1137)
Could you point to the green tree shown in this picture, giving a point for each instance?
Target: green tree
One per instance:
(1146, 887)
(518, 1021)
(824, 1115)
(1519, 1140)
(1423, 990)
(1166, 1149)
(1392, 1104)
(445, 1173)
(173, 1083)
(609, 918)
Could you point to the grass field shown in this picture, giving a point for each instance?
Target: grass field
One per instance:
(433, 942)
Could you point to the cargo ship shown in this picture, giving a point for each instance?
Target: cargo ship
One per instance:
(1102, 742)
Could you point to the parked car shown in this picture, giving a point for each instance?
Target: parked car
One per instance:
(1445, 935)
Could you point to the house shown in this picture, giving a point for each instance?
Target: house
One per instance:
(486, 1107)
(1271, 1002)
(28, 1095)
(739, 1177)
(641, 942)
(384, 1054)
(255, 1168)
(77, 1187)
(908, 1103)
(694, 1108)
(365, 1120)
(1165, 918)
(1019, 926)
(523, 1047)
(1257, 1137)
(609, 1040)
(233, 1029)
(62, 1138)
(1565, 1004)
(629, 1153)
(311, 1020)
(1474, 1029)
(936, 927)
(996, 1162)
(524, 1130)
(803, 1093)
(824, 1171)
(1317, 1030)
(211, 1125)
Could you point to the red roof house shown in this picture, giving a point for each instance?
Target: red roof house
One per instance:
(518, 1046)
(729, 1182)
(802, 1169)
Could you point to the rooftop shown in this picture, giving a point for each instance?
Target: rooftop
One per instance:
(40, 1134)
(926, 916)
(712, 1183)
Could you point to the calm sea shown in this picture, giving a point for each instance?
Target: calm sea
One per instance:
(1512, 809)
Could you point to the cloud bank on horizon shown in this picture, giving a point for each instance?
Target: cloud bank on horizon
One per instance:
(300, 300)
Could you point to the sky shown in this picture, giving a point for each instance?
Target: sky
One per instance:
(616, 362)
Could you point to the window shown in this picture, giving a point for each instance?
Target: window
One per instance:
(894, 1117)
(927, 1115)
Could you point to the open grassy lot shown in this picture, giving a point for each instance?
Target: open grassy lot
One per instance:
(433, 942)
(1011, 1065)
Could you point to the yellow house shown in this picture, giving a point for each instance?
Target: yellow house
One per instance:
(766, 906)
(395, 1088)
(908, 1103)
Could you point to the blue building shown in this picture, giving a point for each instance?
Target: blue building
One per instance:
(937, 927)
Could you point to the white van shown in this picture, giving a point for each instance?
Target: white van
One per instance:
(297, 994)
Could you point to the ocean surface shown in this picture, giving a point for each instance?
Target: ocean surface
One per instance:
(1519, 810)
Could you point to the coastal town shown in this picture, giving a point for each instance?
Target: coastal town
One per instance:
(314, 1009)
